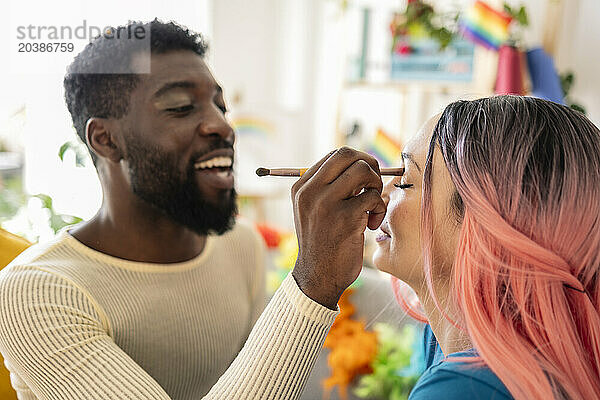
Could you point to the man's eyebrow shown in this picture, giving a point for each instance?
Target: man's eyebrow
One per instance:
(174, 85)
(411, 158)
(181, 85)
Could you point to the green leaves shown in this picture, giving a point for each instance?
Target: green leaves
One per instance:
(12, 197)
(57, 221)
(46, 200)
(567, 79)
(420, 16)
(80, 152)
(519, 15)
(393, 375)
(14, 200)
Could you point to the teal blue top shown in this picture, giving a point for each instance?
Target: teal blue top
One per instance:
(451, 380)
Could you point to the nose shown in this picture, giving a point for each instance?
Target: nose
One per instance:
(216, 124)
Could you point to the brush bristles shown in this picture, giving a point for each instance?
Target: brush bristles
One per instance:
(262, 172)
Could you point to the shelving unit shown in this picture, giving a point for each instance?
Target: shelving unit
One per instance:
(406, 103)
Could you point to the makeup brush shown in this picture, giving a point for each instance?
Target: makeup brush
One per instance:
(300, 171)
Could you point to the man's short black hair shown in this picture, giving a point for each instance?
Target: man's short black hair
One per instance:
(106, 95)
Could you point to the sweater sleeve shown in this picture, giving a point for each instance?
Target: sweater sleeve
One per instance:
(56, 341)
(258, 280)
(281, 351)
(57, 344)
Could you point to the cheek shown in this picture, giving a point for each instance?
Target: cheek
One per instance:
(404, 222)
(446, 231)
(445, 243)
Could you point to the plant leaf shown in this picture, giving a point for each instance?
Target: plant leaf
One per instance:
(61, 152)
(46, 200)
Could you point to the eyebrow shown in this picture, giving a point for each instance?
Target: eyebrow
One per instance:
(411, 158)
(174, 85)
(181, 85)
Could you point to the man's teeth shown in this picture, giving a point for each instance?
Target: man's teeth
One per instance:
(224, 162)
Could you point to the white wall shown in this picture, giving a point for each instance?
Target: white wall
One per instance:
(579, 50)
(262, 52)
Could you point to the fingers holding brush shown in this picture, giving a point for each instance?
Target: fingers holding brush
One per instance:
(358, 176)
(331, 219)
(373, 207)
(342, 159)
(362, 187)
(311, 171)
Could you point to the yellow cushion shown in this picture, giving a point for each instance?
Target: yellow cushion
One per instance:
(10, 247)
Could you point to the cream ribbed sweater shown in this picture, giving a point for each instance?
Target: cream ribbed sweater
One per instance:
(78, 324)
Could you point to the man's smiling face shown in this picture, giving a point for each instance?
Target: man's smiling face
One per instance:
(178, 145)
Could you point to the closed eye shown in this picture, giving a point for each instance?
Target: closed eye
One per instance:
(181, 109)
(403, 186)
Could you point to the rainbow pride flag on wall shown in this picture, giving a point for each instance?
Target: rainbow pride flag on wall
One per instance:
(485, 26)
(252, 125)
(385, 149)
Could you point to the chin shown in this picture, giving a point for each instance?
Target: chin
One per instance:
(379, 260)
(401, 268)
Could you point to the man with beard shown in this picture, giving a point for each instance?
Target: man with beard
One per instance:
(161, 268)
(156, 294)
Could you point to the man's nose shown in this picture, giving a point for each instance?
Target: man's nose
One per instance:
(216, 125)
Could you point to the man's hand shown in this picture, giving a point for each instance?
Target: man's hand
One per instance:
(331, 215)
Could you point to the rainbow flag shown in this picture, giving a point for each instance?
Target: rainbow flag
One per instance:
(252, 126)
(385, 149)
(485, 26)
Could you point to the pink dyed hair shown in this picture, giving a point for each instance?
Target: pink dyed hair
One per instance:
(525, 280)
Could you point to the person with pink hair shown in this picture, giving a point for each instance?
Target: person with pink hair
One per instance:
(505, 195)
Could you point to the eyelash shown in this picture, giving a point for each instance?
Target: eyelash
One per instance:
(403, 186)
(181, 109)
(189, 107)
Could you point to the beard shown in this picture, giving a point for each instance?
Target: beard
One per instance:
(156, 179)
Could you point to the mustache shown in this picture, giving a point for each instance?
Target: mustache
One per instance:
(215, 144)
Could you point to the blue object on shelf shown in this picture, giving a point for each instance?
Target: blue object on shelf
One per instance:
(427, 62)
(544, 78)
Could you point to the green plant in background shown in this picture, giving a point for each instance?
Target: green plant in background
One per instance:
(423, 15)
(519, 15)
(81, 154)
(520, 21)
(12, 197)
(566, 82)
(57, 221)
(421, 20)
(397, 365)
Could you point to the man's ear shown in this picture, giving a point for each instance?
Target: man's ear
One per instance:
(100, 139)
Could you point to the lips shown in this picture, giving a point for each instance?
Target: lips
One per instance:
(382, 233)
